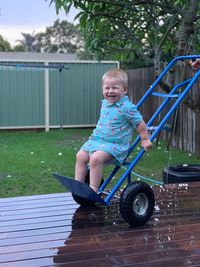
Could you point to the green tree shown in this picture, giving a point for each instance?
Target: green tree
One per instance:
(4, 45)
(28, 42)
(18, 48)
(62, 37)
(144, 32)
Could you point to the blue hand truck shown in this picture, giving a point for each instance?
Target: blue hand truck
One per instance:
(137, 200)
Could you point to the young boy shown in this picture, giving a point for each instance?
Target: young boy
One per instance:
(112, 136)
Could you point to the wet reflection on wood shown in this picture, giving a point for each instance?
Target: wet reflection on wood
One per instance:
(52, 230)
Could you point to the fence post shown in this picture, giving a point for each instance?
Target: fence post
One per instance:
(46, 98)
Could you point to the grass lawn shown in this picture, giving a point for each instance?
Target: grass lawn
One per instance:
(28, 159)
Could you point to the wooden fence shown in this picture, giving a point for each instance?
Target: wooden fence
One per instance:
(185, 123)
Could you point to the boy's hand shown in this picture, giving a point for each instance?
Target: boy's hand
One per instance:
(146, 144)
(195, 65)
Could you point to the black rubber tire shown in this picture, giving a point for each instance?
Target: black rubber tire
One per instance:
(84, 201)
(137, 203)
(181, 173)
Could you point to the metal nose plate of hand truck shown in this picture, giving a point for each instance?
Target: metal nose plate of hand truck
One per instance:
(79, 188)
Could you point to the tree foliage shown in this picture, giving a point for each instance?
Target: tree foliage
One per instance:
(28, 42)
(62, 37)
(4, 45)
(150, 31)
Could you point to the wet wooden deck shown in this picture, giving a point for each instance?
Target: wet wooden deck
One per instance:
(51, 230)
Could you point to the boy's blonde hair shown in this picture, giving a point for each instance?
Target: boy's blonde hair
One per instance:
(118, 74)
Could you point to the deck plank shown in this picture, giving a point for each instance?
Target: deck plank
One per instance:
(52, 230)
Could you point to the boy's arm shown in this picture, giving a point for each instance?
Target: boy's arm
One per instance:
(142, 130)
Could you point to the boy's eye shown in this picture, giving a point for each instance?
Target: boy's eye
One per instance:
(113, 88)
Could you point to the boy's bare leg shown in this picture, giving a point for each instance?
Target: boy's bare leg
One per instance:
(82, 158)
(97, 161)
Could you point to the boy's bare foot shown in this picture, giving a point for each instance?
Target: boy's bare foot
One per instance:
(94, 188)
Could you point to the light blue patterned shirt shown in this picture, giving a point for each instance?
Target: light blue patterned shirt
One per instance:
(114, 130)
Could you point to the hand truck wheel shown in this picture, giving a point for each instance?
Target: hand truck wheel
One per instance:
(137, 203)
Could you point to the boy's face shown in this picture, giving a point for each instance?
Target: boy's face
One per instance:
(113, 90)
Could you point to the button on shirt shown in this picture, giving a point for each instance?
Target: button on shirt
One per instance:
(114, 130)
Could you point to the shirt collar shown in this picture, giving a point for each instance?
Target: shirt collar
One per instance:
(118, 103)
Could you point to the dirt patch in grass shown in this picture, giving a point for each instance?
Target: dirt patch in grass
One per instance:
(3, 175)
(74, 141)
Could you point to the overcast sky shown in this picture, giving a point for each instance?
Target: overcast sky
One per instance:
(27, 16)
